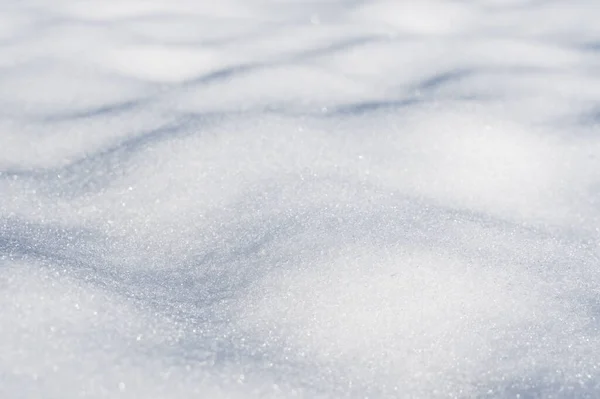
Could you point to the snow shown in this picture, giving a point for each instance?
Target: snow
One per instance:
(278, 198)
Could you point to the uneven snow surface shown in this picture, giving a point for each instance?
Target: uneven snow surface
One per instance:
(277, 199)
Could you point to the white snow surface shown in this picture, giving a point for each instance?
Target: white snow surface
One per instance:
(278, 199)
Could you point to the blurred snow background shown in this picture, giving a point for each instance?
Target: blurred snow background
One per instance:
(276, 199)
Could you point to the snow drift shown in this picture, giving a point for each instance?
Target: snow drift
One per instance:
(253, 199)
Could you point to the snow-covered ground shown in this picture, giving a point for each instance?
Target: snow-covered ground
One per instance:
(276, 199)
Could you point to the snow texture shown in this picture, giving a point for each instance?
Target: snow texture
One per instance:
(278, 199)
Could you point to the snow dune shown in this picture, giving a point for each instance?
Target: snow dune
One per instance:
(276, 199)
